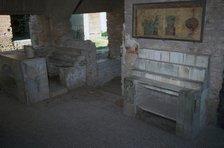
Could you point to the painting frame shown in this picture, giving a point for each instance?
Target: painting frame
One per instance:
(184, 20)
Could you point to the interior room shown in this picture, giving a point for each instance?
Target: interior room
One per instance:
(111, 74)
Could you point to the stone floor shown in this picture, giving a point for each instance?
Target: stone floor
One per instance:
(87, 118)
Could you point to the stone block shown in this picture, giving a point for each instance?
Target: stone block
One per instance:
(202, 61)
(35, 79)
(73, 77)
(165, 56)
(188, 114)
(176, 57)
(25, 79)
(107, 70)
(160, 78)
(170, 69)
(189, 59)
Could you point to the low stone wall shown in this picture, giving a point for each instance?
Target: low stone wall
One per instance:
(107, 69)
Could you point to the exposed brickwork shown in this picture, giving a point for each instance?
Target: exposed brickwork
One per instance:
(5, 33)
(213, 44)
(47, 31)
(115, 20)
(39, 31)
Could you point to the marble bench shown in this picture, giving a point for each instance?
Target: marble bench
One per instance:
(171, 85)
(24, 78)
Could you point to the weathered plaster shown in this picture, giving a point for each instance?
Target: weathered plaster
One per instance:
(5, 33)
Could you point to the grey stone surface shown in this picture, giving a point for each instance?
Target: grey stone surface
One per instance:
(91, 65)
(167, 79)
(73, 77)
(156, 102)
(26, 79)
(63, 58)
(107, 69)
(188, 114)
(61, 36)
(51, 31)
(35, 79)
(75, 66)
(87, 118)
(12, 78)
(129, 91)
(167, 88)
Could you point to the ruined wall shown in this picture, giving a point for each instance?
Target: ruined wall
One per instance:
(47, 31)
(5, 33)
(212, 44)
(40, 30)
(55, 30)
(115, 20)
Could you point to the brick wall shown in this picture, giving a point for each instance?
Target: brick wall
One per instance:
(5, 33)
(48, 31)
(212, 44)
(115, 20)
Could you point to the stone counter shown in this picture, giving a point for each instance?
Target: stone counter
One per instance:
(26, 79)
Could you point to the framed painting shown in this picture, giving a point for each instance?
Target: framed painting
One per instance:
(173, 21)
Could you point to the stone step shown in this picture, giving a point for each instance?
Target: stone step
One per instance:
(60, 61)
(176, 70)
(167, 79)
(69, 51)
(64, 55)
(57, 63)
(161, 104)
(175, 57)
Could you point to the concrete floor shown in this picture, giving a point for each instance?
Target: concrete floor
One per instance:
(87, 118)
